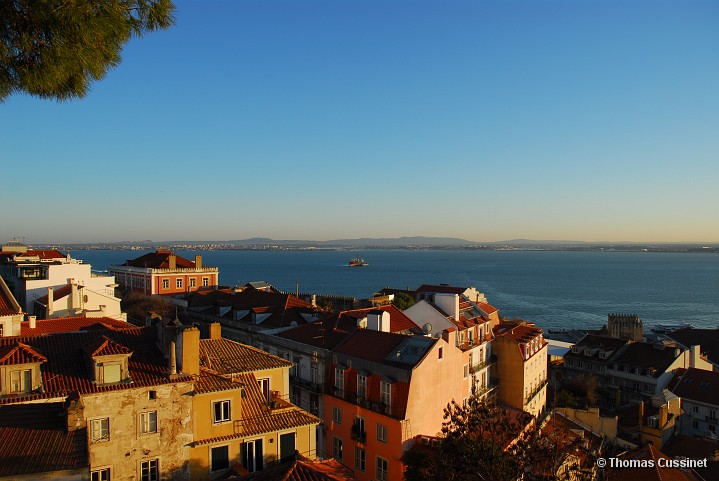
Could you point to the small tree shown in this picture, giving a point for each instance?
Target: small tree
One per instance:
(402, 301)
(56, 48)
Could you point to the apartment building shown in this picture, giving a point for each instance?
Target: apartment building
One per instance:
(699, 393)
(521, 366)
(11, 314)
(164, 273)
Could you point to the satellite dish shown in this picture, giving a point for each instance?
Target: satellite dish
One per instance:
(427, 328)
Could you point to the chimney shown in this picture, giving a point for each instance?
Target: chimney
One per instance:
(198, 261)
(50, 301)
(215, 330)
(172, 359)
(172, 261)
(313, 300)
(188, 347)
(75, 412)
(75, 299)
(33, 321)
(663, 415)
(449, 303)
(450, 336)
(378, 320)
(694, 356)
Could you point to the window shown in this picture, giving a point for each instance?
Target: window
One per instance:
(337, 448)
(110, 372)
(150, 470)
(382, 433)
(695, 424)
(385, 393)
(264, 384)
(178, 283)
(358, 432)
(251, 455)
(152, 395)
(219, 458)
(21, 381)
(296, 395)
(314, 373)
(361, 385)
(696, 409)
(466, 371)
(148, 422)
(193, 282)
(205, 281)
(100, 475)
(314, 404)
(382, 467)
(440, 352)
(360, 458)
(340, 382)
(221, 411)
(165, 283)
(337, 415)
(99, 430)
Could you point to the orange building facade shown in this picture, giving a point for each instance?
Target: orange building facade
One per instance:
(164, 273)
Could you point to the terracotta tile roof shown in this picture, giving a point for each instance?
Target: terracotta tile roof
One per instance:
(63, 291)
(72, 324)
(696, 385)
(303, 470)
(35, 440)
(226, 357)
(443, 289)
(371, 345)
(44, 254)
(258, 417)
(284, 309)
(518, 334)
(67, 370)
(8, 304)
(398, 320)
(487, 308)
(19, 353)
(159, 260)
(208, 381)
(647, 453)
(102, 346)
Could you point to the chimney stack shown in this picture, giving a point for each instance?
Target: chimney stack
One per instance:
(32, 321)
(75, 299)
(215, 330)
(172, 261)
(449, 303)
(50, 301)
(694, 356)
(172, 359)
(378, 320)
(188, 346)
(450, 336)
(198, 261)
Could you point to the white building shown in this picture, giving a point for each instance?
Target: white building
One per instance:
(75, 299)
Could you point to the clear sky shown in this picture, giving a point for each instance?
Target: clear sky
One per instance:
(486, 120)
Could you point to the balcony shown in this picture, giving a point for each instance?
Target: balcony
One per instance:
(475, 368)
(358, 433)
(316, 387)
(536, 391)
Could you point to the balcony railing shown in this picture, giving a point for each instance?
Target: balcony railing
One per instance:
(475, 368)
(358, 434)
(536, 391)
(316, 387)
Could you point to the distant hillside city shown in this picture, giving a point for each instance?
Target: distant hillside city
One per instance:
(153, 371)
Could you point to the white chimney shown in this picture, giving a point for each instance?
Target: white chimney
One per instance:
(50, 301)
(173, 358)
(449, 303)
(694, 356)
(378, 320)
(33, 321)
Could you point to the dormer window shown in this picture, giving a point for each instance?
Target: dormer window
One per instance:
(575, 349)
(110, 360)
(20, 369)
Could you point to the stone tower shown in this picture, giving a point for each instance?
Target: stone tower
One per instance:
(625, 326)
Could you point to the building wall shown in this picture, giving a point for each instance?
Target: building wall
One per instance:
(150, 281)
(391, 450)
(11, 324)
(127, 448)
(518, 377)
(88, 304)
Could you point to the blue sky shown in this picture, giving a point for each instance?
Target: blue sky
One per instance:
(487, 120)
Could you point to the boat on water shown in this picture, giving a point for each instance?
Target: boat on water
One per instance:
(358, 262)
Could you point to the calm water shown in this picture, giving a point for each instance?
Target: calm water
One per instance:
(553, 289)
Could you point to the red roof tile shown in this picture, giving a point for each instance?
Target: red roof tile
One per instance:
(44, 254)
(102, 346)
(66, 369)
(35, 440)
(72, 324)
(518, 334)
(696, 385)
(8, 304)
(160, 260)
(487, 308)
(20, 353)
(227, 357)
(303, 470)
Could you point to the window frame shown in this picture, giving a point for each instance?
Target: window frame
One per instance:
(104, 430)
(23, 383)
(339, 382)
(381, 474)
(336, 415)
(337, 443)
(179, 283)
(385, 393)
(165, 283)
(97, 474)
(153, 470)
(146, 422)
(212, 458)
(381, 431)
(228, 414)
(360, 461)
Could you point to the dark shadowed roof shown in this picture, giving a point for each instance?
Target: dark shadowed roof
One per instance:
(67, 368)
(696, 385)
(35, 440)
(442, 289)
(645, 357)
(72, 324)
(708, 339)
(382, 347)
(159, 259)
(648, 453)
